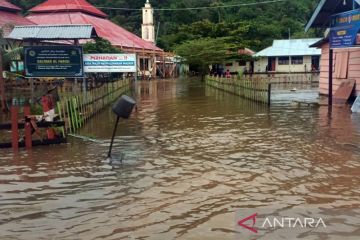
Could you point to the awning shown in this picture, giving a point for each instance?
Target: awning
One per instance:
(322, 14)
(53, 32)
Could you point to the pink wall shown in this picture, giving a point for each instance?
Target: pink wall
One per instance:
(352, 64)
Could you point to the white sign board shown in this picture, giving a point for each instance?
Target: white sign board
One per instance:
(100, 63)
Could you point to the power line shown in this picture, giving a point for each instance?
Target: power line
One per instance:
(196, 8)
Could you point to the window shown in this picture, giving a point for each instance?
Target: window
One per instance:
(283, 60)
(297, 60)
(242, 63)
(144, 64)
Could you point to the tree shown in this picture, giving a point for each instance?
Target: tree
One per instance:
(100, 46)
(201, 53)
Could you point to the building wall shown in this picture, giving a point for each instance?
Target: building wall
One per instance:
(260, 65)
(353, 69)
(236, 67)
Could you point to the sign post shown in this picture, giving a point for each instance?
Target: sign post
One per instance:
(331, 55)
(345, 30)
(53, 61)
(110, 63)
(344, 33)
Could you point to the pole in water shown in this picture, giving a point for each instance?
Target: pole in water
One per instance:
(113, 136)
(123, 109)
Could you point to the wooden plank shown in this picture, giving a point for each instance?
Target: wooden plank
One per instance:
(344, 91)
(44, 142)
(28, 136)
(21, 125)
(14, 127)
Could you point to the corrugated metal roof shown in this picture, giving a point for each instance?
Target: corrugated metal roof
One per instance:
(293, 47)
(51, 6)
(53, 32)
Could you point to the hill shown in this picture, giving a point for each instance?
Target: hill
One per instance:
(253, 26)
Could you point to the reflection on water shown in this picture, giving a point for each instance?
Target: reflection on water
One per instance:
(193, 156)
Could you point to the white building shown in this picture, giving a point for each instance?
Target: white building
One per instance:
(147, 27)
(284, 56)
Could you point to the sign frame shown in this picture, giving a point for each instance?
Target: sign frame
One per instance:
(110, 63)
(345, 30)
(56, 61)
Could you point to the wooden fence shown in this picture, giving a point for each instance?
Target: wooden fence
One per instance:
(258, 90)
(76, 109)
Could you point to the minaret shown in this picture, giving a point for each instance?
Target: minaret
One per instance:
(147, 27)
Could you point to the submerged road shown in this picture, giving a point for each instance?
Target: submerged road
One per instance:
(194, 157)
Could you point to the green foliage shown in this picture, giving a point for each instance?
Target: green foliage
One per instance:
(201, 53)
(9, 55)
(254, 27)
(100, 46)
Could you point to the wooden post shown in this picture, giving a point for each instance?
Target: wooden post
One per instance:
(269, 95)
(154, 70)
(164, 65)
(2, 85)
(331, 54)
(15, 127)
(28, 137)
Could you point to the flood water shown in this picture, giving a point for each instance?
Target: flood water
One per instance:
(193, 157)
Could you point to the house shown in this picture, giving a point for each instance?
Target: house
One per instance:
(288, 56)
(346, 61)
(10, 17)
(82, 12)
(241, 64)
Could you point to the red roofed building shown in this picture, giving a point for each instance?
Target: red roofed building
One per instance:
(81, 12)
(9, 16)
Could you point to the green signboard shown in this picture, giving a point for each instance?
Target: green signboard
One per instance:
(54, 61)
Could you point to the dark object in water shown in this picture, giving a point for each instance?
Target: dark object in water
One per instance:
(122, 108)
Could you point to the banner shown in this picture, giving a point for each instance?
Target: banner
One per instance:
(54, 61)
(345, 29)
(120, 63)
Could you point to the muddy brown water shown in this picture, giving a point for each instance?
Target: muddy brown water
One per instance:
(193, 157)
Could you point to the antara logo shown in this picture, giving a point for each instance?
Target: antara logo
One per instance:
(281, 222)
(253, 218)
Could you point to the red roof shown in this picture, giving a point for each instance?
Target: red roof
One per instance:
(68, 6)
(9, 6)
(9, 15)
(117, 35)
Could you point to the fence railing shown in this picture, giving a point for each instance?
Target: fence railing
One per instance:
(76, 109)
(281, 78)
(258, 89)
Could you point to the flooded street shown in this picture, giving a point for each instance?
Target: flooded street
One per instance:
(193, 156)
